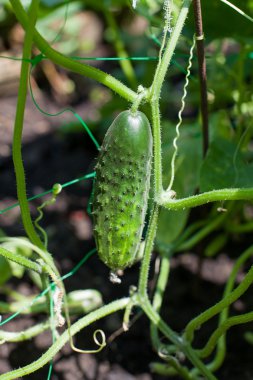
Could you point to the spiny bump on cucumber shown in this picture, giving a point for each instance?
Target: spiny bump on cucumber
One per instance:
(121, 189)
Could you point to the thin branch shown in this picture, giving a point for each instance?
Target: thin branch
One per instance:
(244, 194)
(68, 63)
(202, 71)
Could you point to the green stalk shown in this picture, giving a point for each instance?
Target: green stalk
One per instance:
(63, 339)
(47, 263)
(200, 199)
(211, 225)
(221, 344)
(169, 51)
(21, 260)
(158, 296)
(225, 302)
(173, 368)
(21, 336)
(156, 127)
(18, 127)
(155, 93)
(143, 279)
(221, 330)
(177, 340)
(70, 64)
(239, 228)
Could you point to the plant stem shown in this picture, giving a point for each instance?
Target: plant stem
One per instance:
(80, 307)
(20, 336)
(62, 340)
(202, 72)
(169, 51)
(70, 64)
(225, 302)
(21, 260)
(173, 337)
(166, 201)
(42, 253)
(211, 225)
(163, 369)
(18, 128)
(221, 330)
(158, 296)
(221, 346)
(171, 369)
(239, 228)
(156, 126)
(145, 264)
(155, 90)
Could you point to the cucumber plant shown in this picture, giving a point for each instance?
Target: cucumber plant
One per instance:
(121, 193)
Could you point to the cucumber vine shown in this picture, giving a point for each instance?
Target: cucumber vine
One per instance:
(178, 344)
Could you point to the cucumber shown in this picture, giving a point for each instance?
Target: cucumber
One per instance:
(121, 189)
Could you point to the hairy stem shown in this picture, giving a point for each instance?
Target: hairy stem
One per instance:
(221, 339)
(69, 63)
(170, 369)
(221, 330)
(20, 336)
(196, 323)
(166, 201)
(18, 127)
(202, 71)
(211, 225)
(155, 90)
(63, 339)
(177, 340)
(158, 296)
(156, 126)
(21, 260)
(143, 279)
(169, 51)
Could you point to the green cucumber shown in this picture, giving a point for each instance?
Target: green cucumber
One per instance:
(121, 189)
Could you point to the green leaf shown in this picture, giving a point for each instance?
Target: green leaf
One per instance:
(225, 167)
(222, 21)
(220, 126)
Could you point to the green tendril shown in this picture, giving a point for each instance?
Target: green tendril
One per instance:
(180, 120)
(70, 183)
(56, 189)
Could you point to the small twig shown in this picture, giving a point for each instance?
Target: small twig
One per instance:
(121, 330)
(202, 71)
